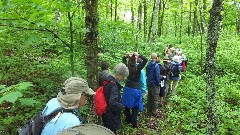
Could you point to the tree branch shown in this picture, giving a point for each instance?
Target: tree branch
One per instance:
(37, 29)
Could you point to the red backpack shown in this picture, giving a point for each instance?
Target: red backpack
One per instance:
(100, 104)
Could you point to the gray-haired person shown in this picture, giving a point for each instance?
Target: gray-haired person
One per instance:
(111, 119)
(71, 97)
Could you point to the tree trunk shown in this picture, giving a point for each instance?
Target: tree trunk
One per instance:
(132, 18)
(139, 23)
(91, 21)
(175, 23)
(111, 8)
(71, 42)
(115, 16)
(150, 25)
(160, 27)
(159, 18)
(181, 20)
(190, 19)
(212, 39)
(238, 18)
(194, 27)
(145, 19)
(154, 22)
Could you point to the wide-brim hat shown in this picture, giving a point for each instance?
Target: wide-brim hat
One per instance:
(74, 87)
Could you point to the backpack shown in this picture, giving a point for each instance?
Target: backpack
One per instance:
(174, 72)
(86, 129)
(100, 103)
(35, 125)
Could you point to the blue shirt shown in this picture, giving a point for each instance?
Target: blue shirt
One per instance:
(64, 121)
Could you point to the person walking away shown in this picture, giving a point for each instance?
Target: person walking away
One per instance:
(71, 97)
(132, 94)
(172, 53)
(153, 83)
(104, 73)
(175, 77)
(111, 118)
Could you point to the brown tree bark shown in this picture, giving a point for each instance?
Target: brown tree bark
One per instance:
(150, 25)
(214, 29)
(194, 27)
(181, 20)
(154, 22)
(139, 23)
(190, 19)
(115, 16)
(145, 19)
(132, 17)
(91, 21)
(161, 16)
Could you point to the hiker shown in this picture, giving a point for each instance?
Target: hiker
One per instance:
(163, 78)
(184, 60)
(72, 97)
(166, 64)
(172, 53)
(104, 72)
(167, 50)
(111, 118)
(132, 94)
(175, 75)
(143, 79)
(153, 83)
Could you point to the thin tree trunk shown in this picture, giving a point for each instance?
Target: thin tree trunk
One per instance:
(111, 8)
(91, 22)
(139, 23)
(159, 18)
(115, 16)
(181, 20)
(194, 27)
(175, 23)
(160, 28)
(190, 19)
(150, 25)
(132, 18)
(154, 22)
(212, 39)
(145, 19)
(71, 42)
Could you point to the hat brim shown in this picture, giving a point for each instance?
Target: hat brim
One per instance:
(90, 92)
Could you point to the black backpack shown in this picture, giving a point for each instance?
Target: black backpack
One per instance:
(175, 72)
(35, 125)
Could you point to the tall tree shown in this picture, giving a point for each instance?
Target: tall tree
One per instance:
(238, 18)
(115, 15)
(194, 27)
(145, 19)
(214, 29)
(150, 25)
(190, 19)
(139, 23)
(181, 22)
(91, 21)
(154, 22)
(132, 17)
(161, 16)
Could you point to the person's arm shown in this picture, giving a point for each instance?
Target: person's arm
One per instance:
(114, 105)
(124, 60)
(157, 69)
(141, 65)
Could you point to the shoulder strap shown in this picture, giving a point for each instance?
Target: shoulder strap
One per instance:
(47, 118)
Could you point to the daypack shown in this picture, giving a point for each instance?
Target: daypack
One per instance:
(100, 103)
(35, 125)
(175, 70)
(86, 129)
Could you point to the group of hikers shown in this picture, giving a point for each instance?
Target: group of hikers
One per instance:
(155, 84)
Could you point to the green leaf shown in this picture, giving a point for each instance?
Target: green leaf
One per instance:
(48, 35)
(32, 38)
(28, 101)
(40, 24)
(24, 85)
(2, 86)
(11, 97)
(7, 89)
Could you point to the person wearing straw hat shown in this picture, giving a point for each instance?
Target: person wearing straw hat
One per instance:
(71, 97)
